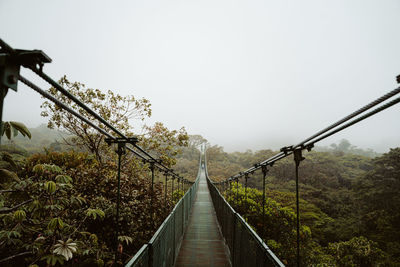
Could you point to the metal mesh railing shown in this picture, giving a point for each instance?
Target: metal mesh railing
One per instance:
(141, 259)
(245, 246)
(163, 247)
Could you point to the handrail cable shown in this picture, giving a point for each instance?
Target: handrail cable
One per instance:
(61, 89)
(37, 69)
(309, 142)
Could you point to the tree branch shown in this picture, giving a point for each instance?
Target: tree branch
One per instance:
(8, 191)
(15, 256)
(5, 210)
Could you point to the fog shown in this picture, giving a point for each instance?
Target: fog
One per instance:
(243, 74)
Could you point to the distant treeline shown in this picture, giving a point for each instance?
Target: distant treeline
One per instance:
(350, 205)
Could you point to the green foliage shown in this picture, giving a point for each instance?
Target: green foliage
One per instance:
(58, 207)
(343, 195)
(358, 251)
(141, 211)
(176, 195)
(12, 128)
(42, 137)
(380, 202)
(163, 143)
(45, 215)
(345, 147)
(279, 221)
(114, 108)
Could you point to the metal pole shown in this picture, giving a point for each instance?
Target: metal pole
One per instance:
(152, 176)
(230, 190)
(120, 151)
(3, 93)
(172, 189)
(298, 157)
(245, 192)
(264, 172)
(166, 189)
(237, 192)
(152, 193)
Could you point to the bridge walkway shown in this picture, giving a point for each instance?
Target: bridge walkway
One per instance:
(203, 244)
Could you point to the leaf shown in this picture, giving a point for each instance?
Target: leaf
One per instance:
(126, 239)
(21, 128)
(38, 168)
(94, 213)
(53, 259)
(19, 215)
(65, 249)
(63, 179)
(54, 223)
(8, 158)
(8, 176)
(50, 187)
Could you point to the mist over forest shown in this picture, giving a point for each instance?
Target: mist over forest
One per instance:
(339, 223)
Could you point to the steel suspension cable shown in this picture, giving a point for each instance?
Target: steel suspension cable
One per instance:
(68, 109)
(306, 142)
(79, 116)
(65, 92)
(352, 115)
(62, 105)
(363, 117)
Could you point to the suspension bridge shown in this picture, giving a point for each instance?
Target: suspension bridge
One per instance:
(203, 229)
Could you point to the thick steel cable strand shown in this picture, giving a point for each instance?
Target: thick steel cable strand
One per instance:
(303, 144)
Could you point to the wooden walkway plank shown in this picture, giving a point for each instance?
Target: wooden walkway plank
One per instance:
(203, 244)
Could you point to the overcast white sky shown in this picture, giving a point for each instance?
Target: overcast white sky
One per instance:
(243, 74)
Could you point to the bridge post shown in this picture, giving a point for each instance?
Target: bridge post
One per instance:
(166, 189)
(264, 173)
(298, 157)
(121, 150)
(230, 189)
(182, 186)
(246, 176)
(152, 165)
(3, 93)
(237, 192)
(172, 188)
(10, 63)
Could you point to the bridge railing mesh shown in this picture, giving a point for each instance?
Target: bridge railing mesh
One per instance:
(163, 247)
(245, 246)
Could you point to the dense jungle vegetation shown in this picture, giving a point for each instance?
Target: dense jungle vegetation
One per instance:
(58, 190)
(349, 204)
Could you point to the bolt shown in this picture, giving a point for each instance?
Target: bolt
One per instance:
(12, 79)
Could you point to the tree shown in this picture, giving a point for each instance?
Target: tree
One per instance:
(43, 219)
(358, 251)
(116, 109)
(379, 194)
(164, 143)
(196, 140)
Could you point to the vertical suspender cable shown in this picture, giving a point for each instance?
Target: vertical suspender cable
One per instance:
(245, 186)
(166, 189)
(298, 158)
(264, 173)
